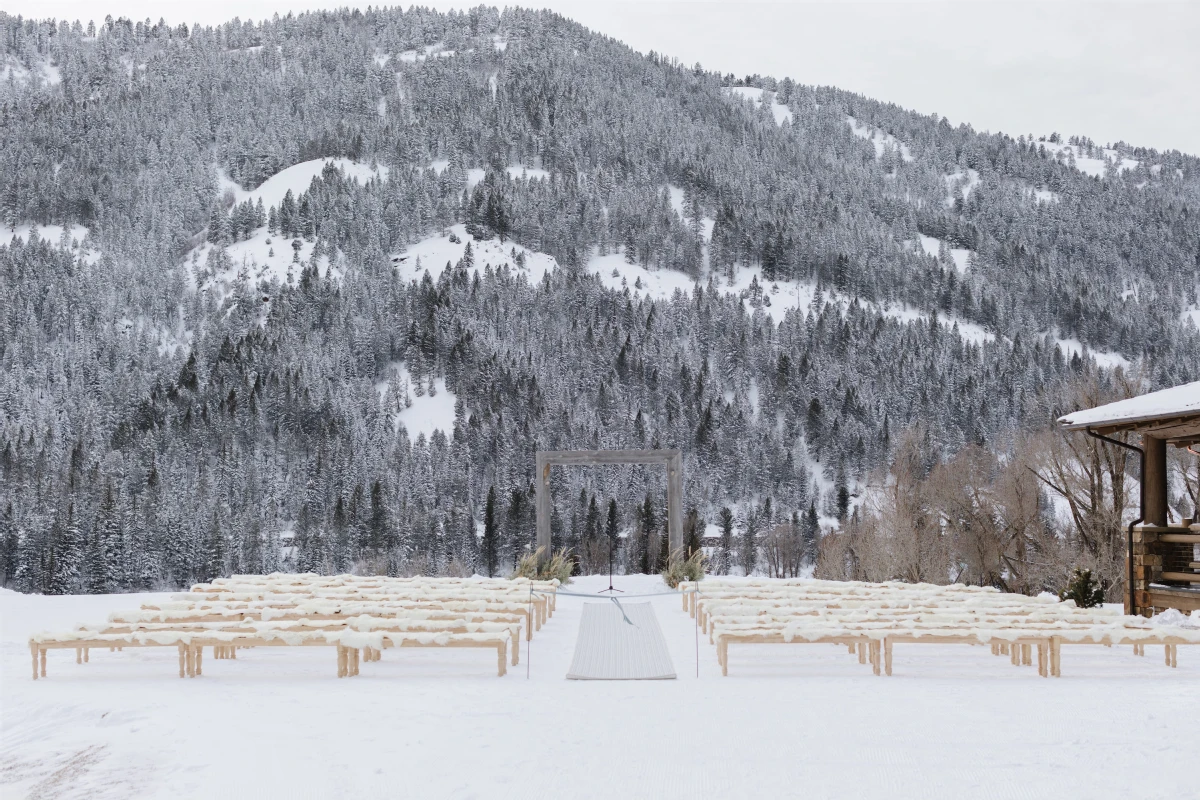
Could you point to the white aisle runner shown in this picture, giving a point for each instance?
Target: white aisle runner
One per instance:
(620, 643)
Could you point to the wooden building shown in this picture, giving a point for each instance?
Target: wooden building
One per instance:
(1163, 557)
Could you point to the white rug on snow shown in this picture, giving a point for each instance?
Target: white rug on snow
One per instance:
(616, 646)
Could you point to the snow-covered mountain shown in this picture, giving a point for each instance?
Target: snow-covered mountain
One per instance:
(313, 287)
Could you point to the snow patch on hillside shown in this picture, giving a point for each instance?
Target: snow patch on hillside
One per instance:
(76, 238)
(659, 284)
(967, 331)
(1089, 165)
(297, 179)
(1044, 196)
(260, 258)
(959, 255)
(475, 175)
(676, 195)
(960, 183)
(44, 73)
(781, 112)
(522, 171)
(499, 43)
(1072, 347)
(432, 255)
(424, 410)
(773, 298)
(880, 139)
(1192, 315)
(435, 50)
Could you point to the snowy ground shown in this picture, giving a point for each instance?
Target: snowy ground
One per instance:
(879, 139)
(1088, 165)
(779, 111)
(953, 722)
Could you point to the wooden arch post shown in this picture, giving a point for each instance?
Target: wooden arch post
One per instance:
(671, 459)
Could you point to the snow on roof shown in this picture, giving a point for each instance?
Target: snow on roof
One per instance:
(1174, 402)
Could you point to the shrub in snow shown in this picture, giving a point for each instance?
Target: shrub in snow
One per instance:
(1084, 589)
(681, 569)
(559, 566)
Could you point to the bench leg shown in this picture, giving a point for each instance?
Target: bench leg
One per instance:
(516, 648)
(1043, 667)
(33, 652)
(199, 661)
(43, 660)
(887, 656)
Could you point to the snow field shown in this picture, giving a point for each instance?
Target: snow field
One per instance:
(1088, 165)
(787, 720)
(879, 139)
(1071, 347)
(423, 413)
(263, 257)
(781, 112)
(959, 255)
(475, 175)
(296, 179)
(46, 73)
(76, 238)
(435, 50)
(433, 254)
(960, 184)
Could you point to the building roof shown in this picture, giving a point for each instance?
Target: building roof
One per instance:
(1172, 414)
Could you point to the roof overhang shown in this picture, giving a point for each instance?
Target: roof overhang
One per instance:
(1172, 414)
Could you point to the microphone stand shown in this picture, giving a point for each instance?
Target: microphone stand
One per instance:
(610, 570)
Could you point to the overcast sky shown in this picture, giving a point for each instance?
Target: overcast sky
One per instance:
(1113, 71)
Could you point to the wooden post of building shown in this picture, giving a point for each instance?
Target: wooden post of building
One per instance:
(1154, 480)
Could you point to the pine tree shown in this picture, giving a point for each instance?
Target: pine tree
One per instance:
(749, 544)
(491, 534)
(725, 552)
(648, 532)
(811, 531)
(610, 530)
(214, 550)
(693, 530)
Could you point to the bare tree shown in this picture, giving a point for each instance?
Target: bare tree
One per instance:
(1184, 468)
(783, 550)
(1091, 479)
(993, 512)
